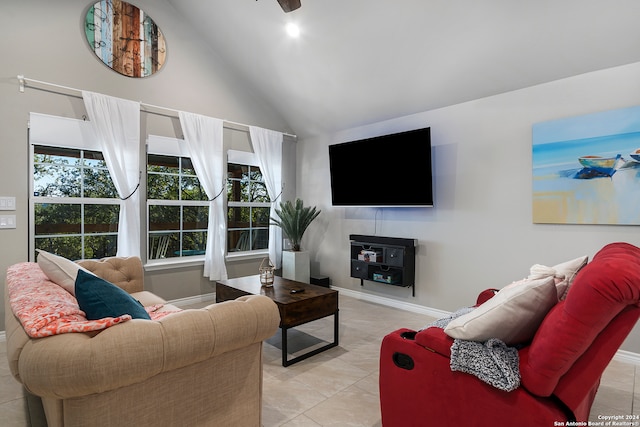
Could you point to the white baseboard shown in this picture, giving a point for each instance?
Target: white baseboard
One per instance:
(406, 306)
(627, 357)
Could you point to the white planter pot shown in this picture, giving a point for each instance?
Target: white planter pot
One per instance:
(296, 266)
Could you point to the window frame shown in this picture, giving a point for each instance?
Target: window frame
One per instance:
(249, 159)
(73, 133)
(68, 133)
(170, 147)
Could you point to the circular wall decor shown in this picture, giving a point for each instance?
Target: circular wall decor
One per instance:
(125, 38)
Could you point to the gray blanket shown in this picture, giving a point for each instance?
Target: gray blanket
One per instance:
(491, 361)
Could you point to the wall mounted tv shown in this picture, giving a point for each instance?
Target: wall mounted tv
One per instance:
(384, 171)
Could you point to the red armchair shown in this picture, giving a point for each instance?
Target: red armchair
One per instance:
(560, 368)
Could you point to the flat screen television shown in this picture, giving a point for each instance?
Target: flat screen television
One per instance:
(385, 171)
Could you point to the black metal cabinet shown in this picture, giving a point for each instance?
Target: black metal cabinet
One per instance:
(388, 260)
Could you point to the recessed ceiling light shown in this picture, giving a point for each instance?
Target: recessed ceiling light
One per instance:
(293, 30)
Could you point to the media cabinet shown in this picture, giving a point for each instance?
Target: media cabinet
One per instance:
(387, 260)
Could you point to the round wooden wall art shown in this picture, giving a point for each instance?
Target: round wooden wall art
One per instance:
(125, 38)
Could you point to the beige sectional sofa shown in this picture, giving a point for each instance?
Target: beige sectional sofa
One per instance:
(200, 367)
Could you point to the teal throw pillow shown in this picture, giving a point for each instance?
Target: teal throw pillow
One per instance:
(99, 299)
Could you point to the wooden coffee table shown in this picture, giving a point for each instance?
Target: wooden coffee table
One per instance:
(313, 303)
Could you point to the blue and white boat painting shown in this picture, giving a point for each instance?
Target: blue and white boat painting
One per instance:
(586, 169)
(595, 166)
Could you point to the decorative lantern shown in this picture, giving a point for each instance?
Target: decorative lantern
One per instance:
(266, 272)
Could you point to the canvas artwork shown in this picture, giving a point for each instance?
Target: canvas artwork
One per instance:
(586, 169)
(125, 38)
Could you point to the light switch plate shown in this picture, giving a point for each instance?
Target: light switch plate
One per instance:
(7, 203)
(7, 221)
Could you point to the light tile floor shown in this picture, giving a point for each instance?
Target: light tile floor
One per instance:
(339, 387)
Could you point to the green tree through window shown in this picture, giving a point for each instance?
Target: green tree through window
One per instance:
(75, 204)
(248, 209)
(178, 208)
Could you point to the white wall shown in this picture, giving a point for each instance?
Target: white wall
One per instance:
(44, 40)
(480, 233)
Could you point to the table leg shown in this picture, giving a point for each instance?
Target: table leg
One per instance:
(288, 362)
(284, 346)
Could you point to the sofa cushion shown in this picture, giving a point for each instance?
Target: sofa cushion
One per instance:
(59, 270)
(99, 299)
(512, 315)
(127, 273)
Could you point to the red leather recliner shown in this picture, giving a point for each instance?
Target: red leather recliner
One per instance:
(560, 369)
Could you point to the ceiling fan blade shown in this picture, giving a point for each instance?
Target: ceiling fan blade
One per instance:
(289, 5)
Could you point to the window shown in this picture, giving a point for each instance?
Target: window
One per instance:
(75, 205)
(178, 208)
(248, 208)
(74, 208)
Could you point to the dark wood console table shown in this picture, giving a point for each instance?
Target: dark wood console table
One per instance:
(315, 302)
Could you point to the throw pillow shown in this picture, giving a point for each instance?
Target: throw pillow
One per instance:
(99, 299)
(59, 270)
(570, 269)
(564, 273)
(512, 315)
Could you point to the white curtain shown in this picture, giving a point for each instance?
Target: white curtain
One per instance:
(203, 139)
(267, 145)
(116, 123)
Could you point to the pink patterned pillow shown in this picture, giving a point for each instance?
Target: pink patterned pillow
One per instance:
(46, 309)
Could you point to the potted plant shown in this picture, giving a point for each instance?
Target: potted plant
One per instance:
(294, 219)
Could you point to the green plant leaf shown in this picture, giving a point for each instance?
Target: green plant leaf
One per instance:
(294, 220)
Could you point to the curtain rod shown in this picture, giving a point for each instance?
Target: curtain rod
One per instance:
(149, 108)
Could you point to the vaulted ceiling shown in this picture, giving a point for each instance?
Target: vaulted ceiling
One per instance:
(363, 61)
